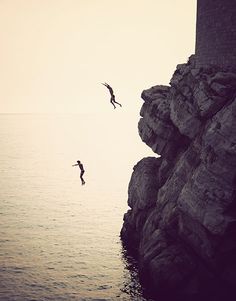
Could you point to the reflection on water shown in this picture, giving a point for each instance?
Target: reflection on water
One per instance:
(60, 240)
(131, 284)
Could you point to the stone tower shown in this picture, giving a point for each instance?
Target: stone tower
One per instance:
(216, 33)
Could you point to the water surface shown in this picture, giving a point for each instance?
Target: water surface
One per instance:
(59, 239)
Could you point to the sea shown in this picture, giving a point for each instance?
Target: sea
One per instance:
(60, 240)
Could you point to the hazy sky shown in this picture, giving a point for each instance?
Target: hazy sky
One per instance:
(55, 53)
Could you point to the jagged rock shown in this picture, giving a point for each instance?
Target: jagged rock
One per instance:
(156, 123)
(184, 115)
(142, 194)
(182, 221)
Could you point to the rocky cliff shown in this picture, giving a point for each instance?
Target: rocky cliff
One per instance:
(182, 221)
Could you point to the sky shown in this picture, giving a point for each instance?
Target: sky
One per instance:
(55, 54)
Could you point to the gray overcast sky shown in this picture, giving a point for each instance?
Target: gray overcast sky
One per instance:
(55, 53)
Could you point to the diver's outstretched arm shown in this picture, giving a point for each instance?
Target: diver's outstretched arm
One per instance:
(108, 87)
(105, 84)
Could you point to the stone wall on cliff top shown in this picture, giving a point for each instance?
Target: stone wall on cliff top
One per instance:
(182, 221)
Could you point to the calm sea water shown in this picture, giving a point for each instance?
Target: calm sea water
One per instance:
(60, 240)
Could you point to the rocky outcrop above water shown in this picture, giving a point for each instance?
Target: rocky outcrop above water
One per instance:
(182, 221)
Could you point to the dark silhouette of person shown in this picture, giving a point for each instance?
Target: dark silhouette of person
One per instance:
(81, 171)
(112, 100)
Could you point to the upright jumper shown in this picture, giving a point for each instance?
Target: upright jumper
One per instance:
(112, 100)
(81, 171)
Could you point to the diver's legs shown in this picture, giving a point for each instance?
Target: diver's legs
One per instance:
(118, 103)
(112, 102)
(81, 178)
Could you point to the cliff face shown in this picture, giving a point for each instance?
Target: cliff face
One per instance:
(182, 221)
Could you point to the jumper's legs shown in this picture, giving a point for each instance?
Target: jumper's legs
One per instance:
(112, 102)
(118, 103)
(81, 178)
